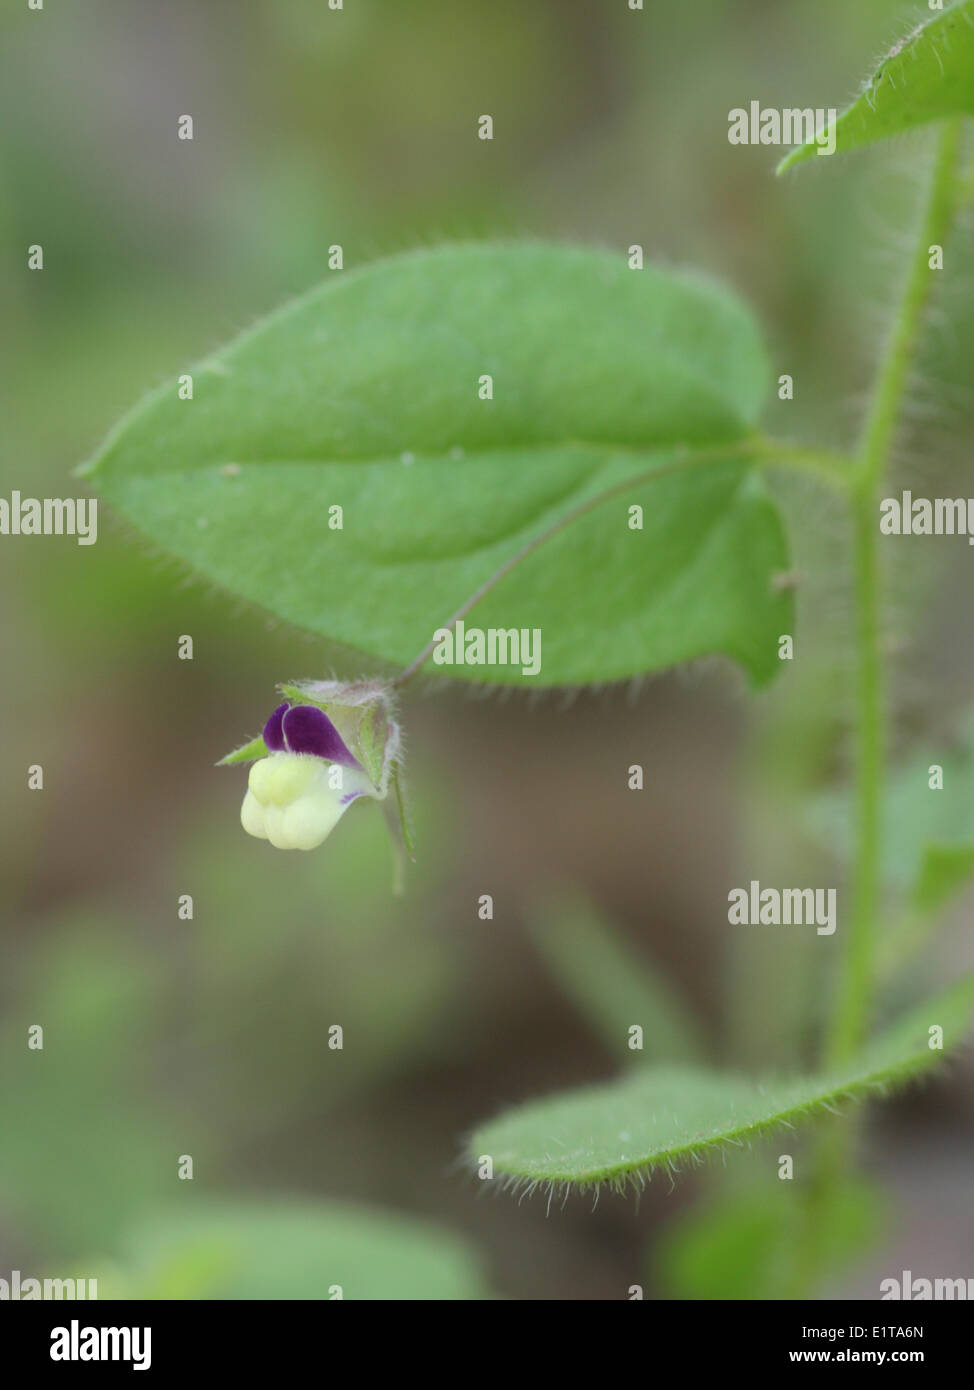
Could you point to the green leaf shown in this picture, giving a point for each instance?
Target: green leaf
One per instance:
(364, 395)
(740, 1245)
(928, 76)
(289, 1250)
(617, 1133)
(613, 987)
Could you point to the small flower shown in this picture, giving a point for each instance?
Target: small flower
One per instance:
(326, 746)
(299, 792)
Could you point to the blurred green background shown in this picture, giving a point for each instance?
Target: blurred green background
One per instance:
(209, 1037)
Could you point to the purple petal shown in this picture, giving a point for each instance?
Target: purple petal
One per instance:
(273, 730)
(308, 729)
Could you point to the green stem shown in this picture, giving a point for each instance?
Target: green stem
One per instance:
(887, 397)
(857, 980)
(834, 469)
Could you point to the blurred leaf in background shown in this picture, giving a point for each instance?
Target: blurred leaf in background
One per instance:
(612, 988)
(741, 1245)
(88, 1131)
(929, 844)
(289, 1250)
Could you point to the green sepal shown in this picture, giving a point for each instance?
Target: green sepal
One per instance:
(248, 753)
(362, 712)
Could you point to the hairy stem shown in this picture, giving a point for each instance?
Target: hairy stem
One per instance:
(857, 982)
(858, 974)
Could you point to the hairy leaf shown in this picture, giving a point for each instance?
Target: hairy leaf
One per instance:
(928, 76)
(620, 1131)
(366, 395)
